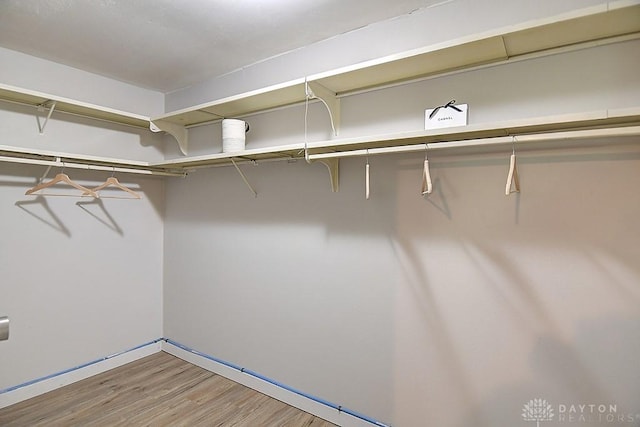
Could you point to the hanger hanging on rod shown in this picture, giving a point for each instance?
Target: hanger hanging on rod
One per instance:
(427, 187)
(112, 181)
(367, 188)
(513, 182)
(61, 178)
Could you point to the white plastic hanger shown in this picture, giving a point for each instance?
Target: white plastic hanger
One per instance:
(427, 187)
(513, 182)
(61, 177)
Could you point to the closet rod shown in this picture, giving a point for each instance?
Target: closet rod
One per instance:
(87, 166)
(565, 135)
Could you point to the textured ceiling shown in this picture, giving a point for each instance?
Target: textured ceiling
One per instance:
(170, 44)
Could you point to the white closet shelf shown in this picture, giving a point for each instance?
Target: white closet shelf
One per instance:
(566, 122)
(581, 28)
(598, 24)
(70, 106)
(601, 24)
(598, 124)
(282, 152)
(239, 105)
(511, 128)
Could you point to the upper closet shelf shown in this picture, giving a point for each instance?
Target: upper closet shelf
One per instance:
(598, 124)
(283, 152)
(598, 24)
(51, 103)
(512, 128)
(238, 105)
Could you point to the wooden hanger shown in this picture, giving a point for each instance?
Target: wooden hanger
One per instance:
(513, 182)
(367, 188)
(427, 187)
(112, 181)
(61, 177)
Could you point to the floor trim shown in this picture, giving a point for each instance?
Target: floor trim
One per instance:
(38, 386)
(313, 405)
(321, 408)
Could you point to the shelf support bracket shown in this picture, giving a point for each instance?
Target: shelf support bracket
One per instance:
(244, 178)
(41, 108)
(179, 132)
(333, 165)
(315, 90)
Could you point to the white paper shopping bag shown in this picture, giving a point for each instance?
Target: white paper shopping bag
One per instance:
(447, 115)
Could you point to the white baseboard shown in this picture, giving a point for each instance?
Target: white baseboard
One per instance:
(289, 397)
(52, 382)
(37, 387)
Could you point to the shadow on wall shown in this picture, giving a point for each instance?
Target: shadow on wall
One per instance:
(306, 190)
(50, 218)
(96, 137)
(288, 193)
(597, 363)
(101, 214)
(598, 366)
(498, 308)
(39, 207)
(95, 208)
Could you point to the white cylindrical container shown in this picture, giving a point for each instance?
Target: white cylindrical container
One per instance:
(233, 135)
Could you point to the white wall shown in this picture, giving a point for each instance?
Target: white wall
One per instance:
(28, 72)
(80, 279)
(453, 310)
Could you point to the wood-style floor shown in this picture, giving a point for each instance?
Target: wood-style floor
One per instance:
(158, 390)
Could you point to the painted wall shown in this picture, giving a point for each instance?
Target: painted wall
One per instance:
(28, 72)
(81, 279)
(452, 310)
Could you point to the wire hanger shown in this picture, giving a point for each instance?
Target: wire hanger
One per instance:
(427, 187)
(112, 181)
(61, 177)
(513, 182)
(367, 188)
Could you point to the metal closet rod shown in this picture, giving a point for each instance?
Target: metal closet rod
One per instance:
(72, 165)
(512, 139)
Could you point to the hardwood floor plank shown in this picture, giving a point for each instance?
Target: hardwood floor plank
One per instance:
(158, 390)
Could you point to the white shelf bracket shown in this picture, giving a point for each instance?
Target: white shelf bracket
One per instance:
(41, 109)
(315, 90)
(179, 132)
(244, 178)
(333, 164)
